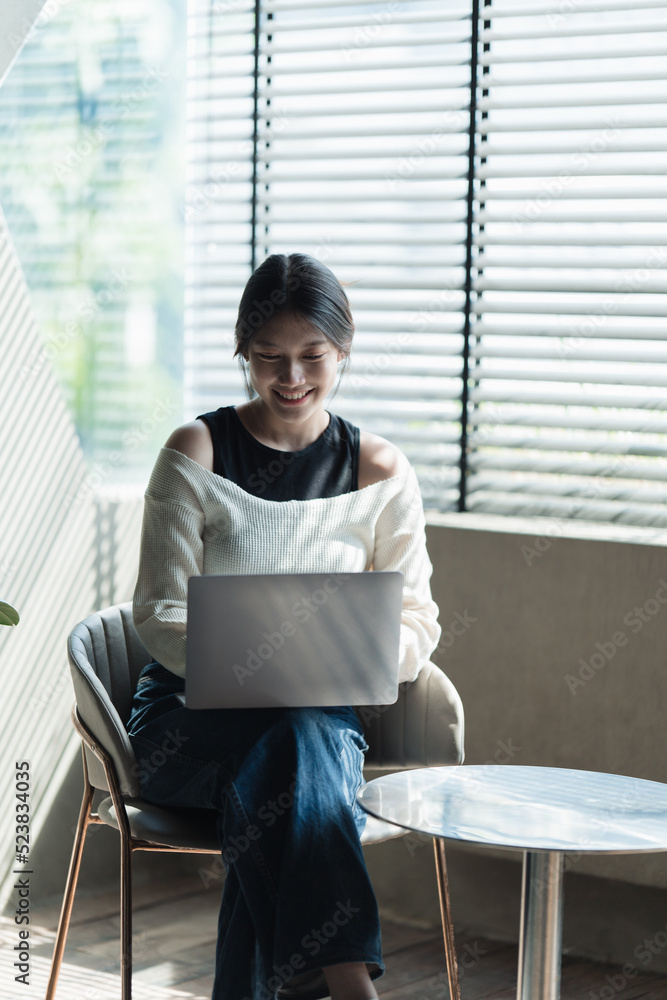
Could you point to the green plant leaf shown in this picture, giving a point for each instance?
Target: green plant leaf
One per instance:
(8, 614)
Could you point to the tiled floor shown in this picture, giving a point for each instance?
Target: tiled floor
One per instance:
(174, 936)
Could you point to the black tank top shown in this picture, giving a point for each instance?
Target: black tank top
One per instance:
(326, 468)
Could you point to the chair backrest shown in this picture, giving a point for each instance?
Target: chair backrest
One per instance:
(106, 657)
(423, 728)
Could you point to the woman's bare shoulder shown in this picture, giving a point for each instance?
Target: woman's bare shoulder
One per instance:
(379, 459)
(194, 441)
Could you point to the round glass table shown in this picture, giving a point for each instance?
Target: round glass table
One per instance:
(545, 812)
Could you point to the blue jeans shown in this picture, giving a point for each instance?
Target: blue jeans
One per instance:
(283, 782)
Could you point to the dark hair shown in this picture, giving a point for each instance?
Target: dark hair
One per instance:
(298, 284)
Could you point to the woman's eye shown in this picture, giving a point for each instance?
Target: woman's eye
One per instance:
(276, 357)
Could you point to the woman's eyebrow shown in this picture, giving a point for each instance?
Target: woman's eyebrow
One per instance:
(269, 343)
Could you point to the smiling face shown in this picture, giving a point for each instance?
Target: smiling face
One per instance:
(293, 368)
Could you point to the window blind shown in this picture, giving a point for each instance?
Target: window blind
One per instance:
(568, 393)
(360, 158)
(510, 317)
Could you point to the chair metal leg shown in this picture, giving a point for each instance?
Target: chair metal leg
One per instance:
(125, 917)
(125, 880)
(128, 844)
(70, 888)
(446, 914)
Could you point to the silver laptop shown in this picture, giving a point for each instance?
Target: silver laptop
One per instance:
(288, 640)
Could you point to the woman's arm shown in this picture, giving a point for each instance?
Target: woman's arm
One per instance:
(379, 459)
(400, 544)
(171, 548)
(193, 440)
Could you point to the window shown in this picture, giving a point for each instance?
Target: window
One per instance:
(91, 184)
(511, 273)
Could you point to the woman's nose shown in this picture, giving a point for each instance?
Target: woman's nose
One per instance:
(292, 372)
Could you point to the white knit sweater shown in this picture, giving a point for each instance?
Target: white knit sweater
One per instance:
(198, 522)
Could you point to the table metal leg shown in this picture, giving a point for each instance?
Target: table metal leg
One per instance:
(541, 926)
(446, 914)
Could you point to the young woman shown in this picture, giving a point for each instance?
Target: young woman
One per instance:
(276, 485)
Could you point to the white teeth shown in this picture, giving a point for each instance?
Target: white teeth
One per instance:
(293, 395)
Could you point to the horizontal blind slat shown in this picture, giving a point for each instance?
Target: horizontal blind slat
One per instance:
(580, 55)
(492, 392)
(565, 30)
(621, 377)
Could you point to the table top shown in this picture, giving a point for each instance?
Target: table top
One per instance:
(525, 808)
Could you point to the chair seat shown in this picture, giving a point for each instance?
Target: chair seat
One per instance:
(195, 828)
